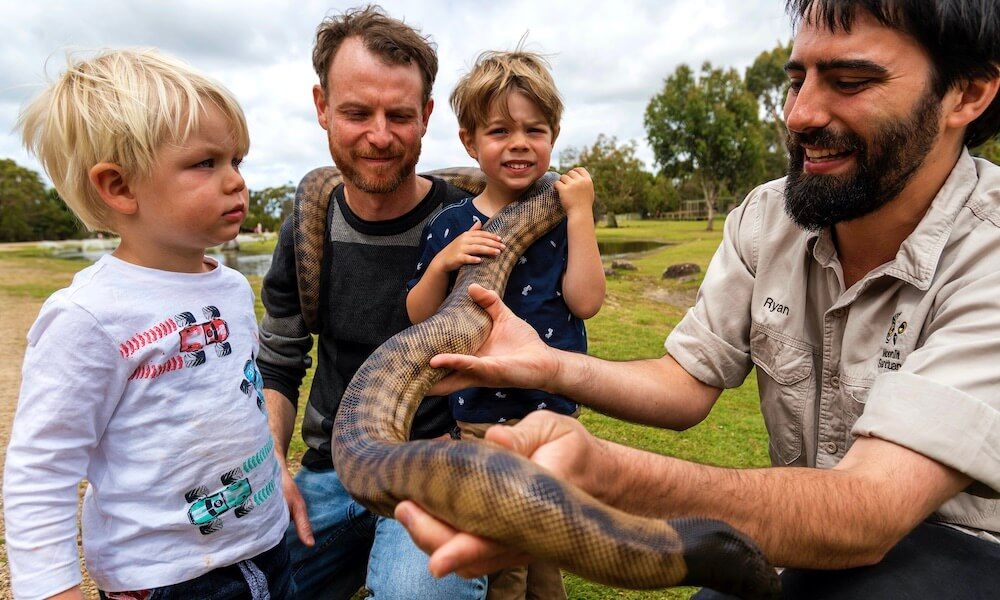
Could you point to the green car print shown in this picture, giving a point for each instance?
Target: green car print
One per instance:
(205, 510)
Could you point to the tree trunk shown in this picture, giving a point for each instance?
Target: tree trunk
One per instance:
(710, 192)
(612, 219)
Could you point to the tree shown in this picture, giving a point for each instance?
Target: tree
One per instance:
(706, 128)
(766, 79)
(620, 182)
(269, 207)
(28, 211)
(662, 196)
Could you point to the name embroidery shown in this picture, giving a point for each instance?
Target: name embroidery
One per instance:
(773, 306)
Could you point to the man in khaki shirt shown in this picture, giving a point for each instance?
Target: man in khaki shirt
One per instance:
(864, 287)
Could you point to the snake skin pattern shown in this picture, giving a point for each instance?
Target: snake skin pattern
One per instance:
(481, 488)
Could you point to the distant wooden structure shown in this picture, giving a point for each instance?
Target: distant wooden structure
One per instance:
(695, 210)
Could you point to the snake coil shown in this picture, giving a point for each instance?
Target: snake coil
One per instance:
(480, 487)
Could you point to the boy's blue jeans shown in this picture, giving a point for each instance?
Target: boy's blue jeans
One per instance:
(347, 537)
(266, 576)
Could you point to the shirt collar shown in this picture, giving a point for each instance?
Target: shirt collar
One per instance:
(918, 255)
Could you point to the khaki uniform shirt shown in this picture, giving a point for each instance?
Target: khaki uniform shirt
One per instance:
(909, 354)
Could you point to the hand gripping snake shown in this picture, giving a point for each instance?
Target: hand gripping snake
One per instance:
(479, 487)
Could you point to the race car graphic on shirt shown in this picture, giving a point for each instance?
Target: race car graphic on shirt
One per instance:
(253, 384)
(194, 338)
(205, 510)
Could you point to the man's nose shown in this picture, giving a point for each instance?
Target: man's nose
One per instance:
(808, 108)
(379, 135)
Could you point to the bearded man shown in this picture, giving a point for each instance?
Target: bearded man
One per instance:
(864, 288)
(374, 101)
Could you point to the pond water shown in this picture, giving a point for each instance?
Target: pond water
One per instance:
(258, 264)
(248, 264)
(616, 248)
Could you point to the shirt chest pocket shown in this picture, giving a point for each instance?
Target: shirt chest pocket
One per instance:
(786, 382)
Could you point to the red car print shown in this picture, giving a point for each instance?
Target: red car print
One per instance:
(196, 336)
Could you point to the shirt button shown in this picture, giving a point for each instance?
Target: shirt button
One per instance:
(839, 313)
(835, 381)
(830, 447)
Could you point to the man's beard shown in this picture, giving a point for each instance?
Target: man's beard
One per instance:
(882, 169)
(385, 180)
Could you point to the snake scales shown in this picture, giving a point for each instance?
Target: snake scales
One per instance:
(479, 487)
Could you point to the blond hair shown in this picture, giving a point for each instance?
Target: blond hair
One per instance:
(494, 77)
(120, 106)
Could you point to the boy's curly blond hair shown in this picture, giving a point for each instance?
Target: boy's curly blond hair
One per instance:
(119, 106)
(494, 77)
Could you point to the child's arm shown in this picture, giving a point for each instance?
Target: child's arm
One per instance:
(583, 282)
(426, 296)
(72, 381)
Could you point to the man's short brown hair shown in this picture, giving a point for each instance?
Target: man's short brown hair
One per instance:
(494, 77)
(392, 40)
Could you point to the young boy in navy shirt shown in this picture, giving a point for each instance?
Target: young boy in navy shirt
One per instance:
(509, 110)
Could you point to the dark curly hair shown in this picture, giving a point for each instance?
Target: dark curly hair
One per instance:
(962, 38)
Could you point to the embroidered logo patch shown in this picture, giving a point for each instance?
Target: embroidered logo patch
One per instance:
(891, 359)
(896, 329)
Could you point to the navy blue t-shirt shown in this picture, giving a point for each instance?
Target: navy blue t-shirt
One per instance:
(534, 293)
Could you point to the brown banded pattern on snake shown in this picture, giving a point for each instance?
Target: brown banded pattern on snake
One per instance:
(479, 487)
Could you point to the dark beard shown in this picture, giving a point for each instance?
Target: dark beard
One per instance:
(383, 184)
(883, 169)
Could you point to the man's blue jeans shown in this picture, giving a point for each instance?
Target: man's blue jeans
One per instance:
(348, 536)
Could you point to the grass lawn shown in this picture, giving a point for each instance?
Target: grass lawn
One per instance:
(640, 310)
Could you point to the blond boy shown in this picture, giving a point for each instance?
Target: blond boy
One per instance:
(140, 376)
(509, 113)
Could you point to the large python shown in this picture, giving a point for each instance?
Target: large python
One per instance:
(479, 487)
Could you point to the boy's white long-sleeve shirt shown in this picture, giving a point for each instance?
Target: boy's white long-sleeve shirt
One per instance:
(144, 382)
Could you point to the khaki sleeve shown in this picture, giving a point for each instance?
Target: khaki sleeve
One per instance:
(944, 402)
(712, 341)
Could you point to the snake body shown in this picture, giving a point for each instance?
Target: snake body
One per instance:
(486, 490)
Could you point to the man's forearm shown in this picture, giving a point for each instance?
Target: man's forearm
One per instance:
(281, 420)
(652, 392)
(812, 518)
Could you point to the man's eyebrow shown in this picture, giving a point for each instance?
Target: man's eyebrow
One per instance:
(846, 64)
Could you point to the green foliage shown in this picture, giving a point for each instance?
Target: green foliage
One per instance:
(269, 207)
(706, 127)
(28, 211)
(662, 196)
(766, 79)
(620, 183)
(990, 150)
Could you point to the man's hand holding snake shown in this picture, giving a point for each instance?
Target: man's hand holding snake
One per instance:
(512, 356)
(558, 443)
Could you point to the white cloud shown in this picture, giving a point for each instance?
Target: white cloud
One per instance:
(607, 60)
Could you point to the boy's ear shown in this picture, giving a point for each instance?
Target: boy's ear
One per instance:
(469, 141)
(112, 186)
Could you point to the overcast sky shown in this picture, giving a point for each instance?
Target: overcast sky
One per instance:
(608, 59)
